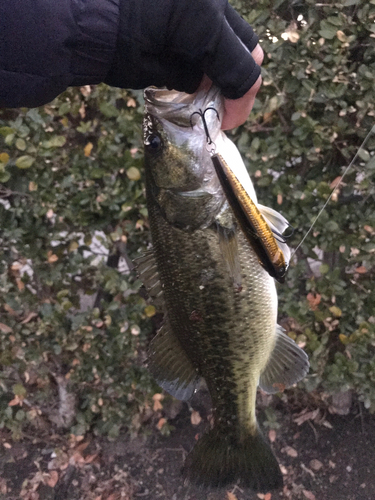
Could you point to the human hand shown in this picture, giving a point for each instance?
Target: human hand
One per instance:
(236, 111)
(173, 44)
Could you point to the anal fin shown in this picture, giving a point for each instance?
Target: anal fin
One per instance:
(287, 365)
(170, 365)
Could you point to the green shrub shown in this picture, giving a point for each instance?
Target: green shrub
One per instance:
(71, 174)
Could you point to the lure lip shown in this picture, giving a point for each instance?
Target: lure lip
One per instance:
(270, 255)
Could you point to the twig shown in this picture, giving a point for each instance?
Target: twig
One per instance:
(315, 432)
(236, 488)
(362, 420)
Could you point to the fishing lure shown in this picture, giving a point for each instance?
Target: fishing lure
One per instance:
(256, 229)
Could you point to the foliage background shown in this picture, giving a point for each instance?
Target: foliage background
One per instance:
(71, 175)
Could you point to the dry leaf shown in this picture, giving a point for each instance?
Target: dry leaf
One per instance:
(29, 317)
(85, 90)
(316, 464)
(195, 418)
(304, 416)
(88, 148)
(150, 311)
(5, 328)
(91, 458)
(9, 310)
(16, 401)
(53, 478)
(336, 311)
(314, 300)
(81, 447)
(161, 423)
(272, 435)
(231, 496)
(51, 257)
(4, 157)
(309, 495)
(335, 182)
(279, 387)
(291, 452)
(327, 424)
(284, 470)
(157, 406)
(361, 270)
(341, 36)
(133, 173)
(82, 111)
(20, 284)
(157, 398)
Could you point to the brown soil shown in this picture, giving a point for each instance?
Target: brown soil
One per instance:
(318, 462)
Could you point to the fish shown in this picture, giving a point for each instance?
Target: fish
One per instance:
(219, 302)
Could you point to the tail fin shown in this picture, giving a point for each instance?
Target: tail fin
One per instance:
(219, 459)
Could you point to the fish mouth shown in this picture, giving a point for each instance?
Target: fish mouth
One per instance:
(177, 107)
(164, 97)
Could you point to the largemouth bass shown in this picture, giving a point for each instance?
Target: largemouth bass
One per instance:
(220, 304)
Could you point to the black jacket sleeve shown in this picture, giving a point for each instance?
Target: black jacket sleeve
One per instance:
(48, 45)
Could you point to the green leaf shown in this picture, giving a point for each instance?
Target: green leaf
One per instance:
(108, 110)
(363, 154)
(6, 131)
(324, 268)
(19, 390)
(25, 161)
(20, 144)
(4, 176)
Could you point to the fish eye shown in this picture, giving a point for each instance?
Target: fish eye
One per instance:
(153, 143)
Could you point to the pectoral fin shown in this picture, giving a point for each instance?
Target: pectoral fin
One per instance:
(149, 275)
(228, 242)
(278, 224)
(287, 365)
(274, 218)
(170, 365)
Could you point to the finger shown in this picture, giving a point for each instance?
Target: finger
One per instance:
(242, 29)
(230, 65)
(258, 54)
(236, 111)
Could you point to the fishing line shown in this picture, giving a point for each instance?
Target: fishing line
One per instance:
(372, 131)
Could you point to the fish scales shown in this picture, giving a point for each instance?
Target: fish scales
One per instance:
(220, 304)
(216, 324)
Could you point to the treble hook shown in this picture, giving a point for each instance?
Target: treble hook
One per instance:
(202, 115)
